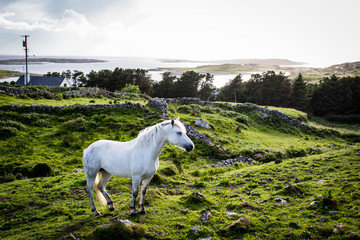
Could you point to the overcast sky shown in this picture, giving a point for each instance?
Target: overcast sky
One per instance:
(315, 31)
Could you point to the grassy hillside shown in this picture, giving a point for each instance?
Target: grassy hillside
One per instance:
(43, 185)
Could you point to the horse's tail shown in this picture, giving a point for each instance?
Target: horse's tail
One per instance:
(99, 196)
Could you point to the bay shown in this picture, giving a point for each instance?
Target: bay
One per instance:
(150, 64)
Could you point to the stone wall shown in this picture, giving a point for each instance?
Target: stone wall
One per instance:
(277, 113)
(50, 109)
(161, 103)
(16, 91)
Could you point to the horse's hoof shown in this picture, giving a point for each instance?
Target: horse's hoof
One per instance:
(111, 208)
(142, 211)
(133, 213)
(96, 213)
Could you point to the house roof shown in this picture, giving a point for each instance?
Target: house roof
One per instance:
(41, 81)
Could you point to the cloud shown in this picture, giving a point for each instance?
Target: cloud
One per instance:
(71, 21)
(8, 24)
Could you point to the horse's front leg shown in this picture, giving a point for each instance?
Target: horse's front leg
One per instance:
(145, 184)
(135, 190)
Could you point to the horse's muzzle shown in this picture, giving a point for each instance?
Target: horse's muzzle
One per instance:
(189, 147)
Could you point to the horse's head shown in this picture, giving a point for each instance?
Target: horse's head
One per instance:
(177, 135)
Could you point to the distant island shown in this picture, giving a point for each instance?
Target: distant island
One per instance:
(247, 61)
(49, 60)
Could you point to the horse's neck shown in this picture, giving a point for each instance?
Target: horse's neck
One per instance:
(153, 144)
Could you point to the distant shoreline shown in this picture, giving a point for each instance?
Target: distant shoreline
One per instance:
(49, 60)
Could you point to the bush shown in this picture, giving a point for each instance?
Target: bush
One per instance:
(41, 170)
(14, 124)
(242, 119)
(130, 89)
(184, 109)
(119, 231)
(293, 153)
(7, 132)
(79, 124)
(168, 171)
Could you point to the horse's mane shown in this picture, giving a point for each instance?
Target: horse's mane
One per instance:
(148, 135)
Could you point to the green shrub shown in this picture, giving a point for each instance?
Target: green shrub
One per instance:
(7, 132)
(79, 124)
(130, 89)
(184, 109)
(293, 153)
(41, 170)
(119, 231)
(14, 124)
(168, 171)
(242, 119)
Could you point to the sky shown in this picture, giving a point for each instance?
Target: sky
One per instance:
(318, 32)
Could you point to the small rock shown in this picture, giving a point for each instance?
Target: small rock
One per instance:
(294, 224)
(320, 197)
(297, 180)
(291, 188)
(255, 194)
(105, 225)
(241, 223)
(278, 161)
(202, 123)
(334, 212)
(195, 229)
(339, 227)
(198, 195)
(70, 237)
(314, 203)
(205, 217)
(280, 201)
(232, 214)
(125, 222)
(320, 181)
(324, 219)
(208, 238)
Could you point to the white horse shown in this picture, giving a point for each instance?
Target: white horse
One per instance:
(137, 159)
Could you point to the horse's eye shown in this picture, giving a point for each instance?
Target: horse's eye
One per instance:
(179, 133)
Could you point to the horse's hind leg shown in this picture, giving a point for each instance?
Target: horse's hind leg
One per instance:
(105, 177)
(145, 184)
(89, 187)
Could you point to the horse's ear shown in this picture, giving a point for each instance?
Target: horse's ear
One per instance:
(172, 122)
(178, 118)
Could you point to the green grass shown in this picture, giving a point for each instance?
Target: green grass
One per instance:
(9, 99)
(8, 73)
(54, 205)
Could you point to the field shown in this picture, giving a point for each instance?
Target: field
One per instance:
(304, 184)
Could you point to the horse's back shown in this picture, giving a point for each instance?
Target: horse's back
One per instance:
(109, 155)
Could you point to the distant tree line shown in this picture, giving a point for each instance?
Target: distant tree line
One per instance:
(332, 95)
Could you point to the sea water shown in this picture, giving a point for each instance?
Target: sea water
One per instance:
(110, 63)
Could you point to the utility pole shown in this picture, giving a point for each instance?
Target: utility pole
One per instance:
(26, 77)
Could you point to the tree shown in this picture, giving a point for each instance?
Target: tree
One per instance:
(329, 97)
(207, 87)
(66, 74)
(276, 89)
(299, 93)
(52, 74)
(233, 90)
(166, 87)
(77, 77)
(188, 84)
